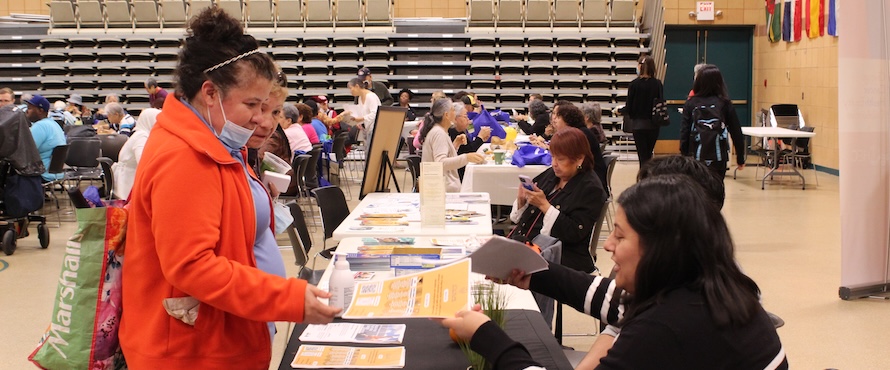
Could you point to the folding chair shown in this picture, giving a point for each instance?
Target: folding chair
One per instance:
(332, 205)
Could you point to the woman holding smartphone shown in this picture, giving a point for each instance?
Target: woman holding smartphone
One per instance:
(563, 201)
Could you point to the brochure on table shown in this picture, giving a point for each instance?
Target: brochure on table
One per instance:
(341, 332)
(432, 195)
(440, 292)
(325, 357)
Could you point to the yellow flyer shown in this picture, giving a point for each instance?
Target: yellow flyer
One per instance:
(440, 292)
(319, 357)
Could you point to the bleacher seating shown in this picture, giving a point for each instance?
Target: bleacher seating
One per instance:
(503, 67)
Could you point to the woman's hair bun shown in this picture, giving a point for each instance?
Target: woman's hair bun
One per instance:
(215, 25)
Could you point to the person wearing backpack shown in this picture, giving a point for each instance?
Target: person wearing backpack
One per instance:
(641, 95)
(709, 120)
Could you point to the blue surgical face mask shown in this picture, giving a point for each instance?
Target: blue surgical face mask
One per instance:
(234, 137)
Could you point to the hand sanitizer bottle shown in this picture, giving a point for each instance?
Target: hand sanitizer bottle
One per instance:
(342, 284)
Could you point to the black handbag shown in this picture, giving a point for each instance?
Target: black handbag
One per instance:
(660, 113)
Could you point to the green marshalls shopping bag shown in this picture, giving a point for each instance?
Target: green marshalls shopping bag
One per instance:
(87, 308)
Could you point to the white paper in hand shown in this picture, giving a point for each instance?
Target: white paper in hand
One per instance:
(499, 256)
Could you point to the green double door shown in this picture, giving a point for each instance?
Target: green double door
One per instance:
(729, 48)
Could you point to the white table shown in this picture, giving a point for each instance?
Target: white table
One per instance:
(778, 133)
(408, 127)
(409, 203)
(516, 298)
(501, 182)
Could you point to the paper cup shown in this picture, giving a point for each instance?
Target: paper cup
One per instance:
(499, 156)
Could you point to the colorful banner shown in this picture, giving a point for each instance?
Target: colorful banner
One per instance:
(773, 20)
(832, 17)
(798, 19)
(786, 21)
(815, 18)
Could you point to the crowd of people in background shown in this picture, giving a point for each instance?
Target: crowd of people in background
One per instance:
(229, 111)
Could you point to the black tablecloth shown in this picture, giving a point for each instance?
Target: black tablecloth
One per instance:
(428, 346)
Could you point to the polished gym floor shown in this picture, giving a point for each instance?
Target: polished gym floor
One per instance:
(787, 240)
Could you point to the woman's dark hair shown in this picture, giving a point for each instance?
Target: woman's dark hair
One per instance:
(305, 113)
(570, 142)
(536, 108)
(434, 117)
(570, 114)
(685, 244)
(213, 37)
(684, 165)
(459, 96)
(709, 82)
(647, 66)
(357, 81)
(406, 90)
(312, 105)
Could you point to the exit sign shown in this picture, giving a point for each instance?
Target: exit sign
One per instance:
(705, 10)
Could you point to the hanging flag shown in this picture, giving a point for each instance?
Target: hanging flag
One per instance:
(798, 19)
(814, 18)
(832, 17)
(806, 21)
(774, 19)
(821, 17)
(786, 21)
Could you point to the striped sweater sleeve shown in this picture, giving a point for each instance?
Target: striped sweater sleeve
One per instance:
(596, 296)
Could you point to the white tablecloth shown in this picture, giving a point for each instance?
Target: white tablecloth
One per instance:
(501, 182)
(516, 298)
(409, 203)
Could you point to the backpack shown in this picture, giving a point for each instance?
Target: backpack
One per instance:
(709, 133)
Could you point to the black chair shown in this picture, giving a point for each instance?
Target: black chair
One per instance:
(108, 178)
(338, 151)
(56, 167)
(301, 241)
(112, 144)
(414, 168)
(82, 159)
(310, 178)
(332, 204)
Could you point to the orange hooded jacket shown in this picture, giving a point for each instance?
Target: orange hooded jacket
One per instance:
(191, 233)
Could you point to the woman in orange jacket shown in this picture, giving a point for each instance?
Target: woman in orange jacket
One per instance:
(193, 297)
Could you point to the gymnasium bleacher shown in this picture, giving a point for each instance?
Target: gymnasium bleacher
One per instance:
(503, 51)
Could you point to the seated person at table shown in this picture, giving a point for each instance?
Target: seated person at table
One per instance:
(296, 136)
(565, 114)
(436, 96)
(124, 169)
(405, 97)
(593, 115)
(538, 112)
(564, 202)
(460, 136)
(47, 133)
(438, 147)
(119, 119)
(689, 306)
(306, 123)
(320, 129)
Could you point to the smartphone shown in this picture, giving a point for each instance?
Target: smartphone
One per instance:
(527, 182)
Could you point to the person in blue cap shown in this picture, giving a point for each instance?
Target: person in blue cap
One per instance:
(46, 132)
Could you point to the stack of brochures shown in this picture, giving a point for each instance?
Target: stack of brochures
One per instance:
(370, 258)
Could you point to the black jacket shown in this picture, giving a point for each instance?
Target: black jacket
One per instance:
(579, 204)
(541, 122)
(640, 95)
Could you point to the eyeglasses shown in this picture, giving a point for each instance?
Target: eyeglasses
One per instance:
(281, 79)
